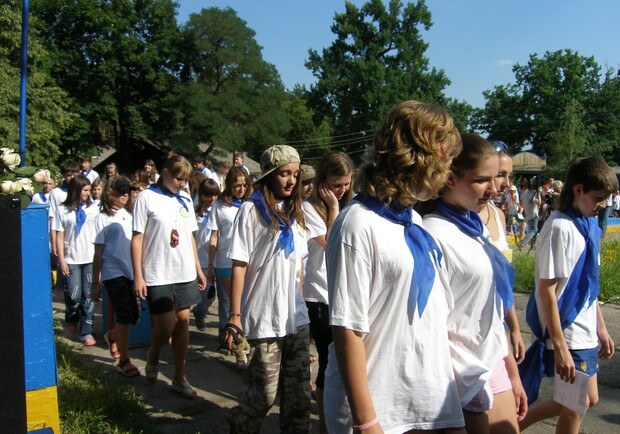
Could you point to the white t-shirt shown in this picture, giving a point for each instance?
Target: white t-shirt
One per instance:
(476, 321)
(558, 247)
(315, 276)
(114, 232)
(271, 304)
(156, 215)
(57, 196)
(221, 220)
(408, 364)
(91, 175)
(78, 249)
(202, 238)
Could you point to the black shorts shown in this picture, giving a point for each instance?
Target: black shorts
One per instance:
(123, 299)
(161, 298)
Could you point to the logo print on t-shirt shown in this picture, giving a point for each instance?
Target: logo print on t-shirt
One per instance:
(184, 212)
(91, 217)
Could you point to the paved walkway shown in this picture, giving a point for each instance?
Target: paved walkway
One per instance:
(219, 382)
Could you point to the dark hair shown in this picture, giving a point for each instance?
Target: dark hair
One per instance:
(69, 166)
(207, 188)
(76, 185)
(475, 150)
(593, 173)
(86, 158)
(108, 194)
(231, 177)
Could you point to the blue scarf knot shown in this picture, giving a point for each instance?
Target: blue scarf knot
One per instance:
(80, 217)
(163, 190)
(286, 240)
(471, 225)
(236, 202)
(420, 243)
(582, 286)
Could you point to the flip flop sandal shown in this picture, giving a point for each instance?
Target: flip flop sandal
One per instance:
(113, 351)
(127, 369)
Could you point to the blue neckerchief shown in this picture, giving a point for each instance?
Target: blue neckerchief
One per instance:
(86, 173)
(421, 245)
(64, 186)
(582, 286)
(236, 202)
(471, 225)
(206, 218)
(80, 218)
(43, 197)
(163, 190)
(286, 241)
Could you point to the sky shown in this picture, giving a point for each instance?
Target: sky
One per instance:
(476, 42)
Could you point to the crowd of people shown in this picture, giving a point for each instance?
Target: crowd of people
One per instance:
(399, 270)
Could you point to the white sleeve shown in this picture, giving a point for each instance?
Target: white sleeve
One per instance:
(214, 218)
(551, 248)
(242, 243)
(100, 229)
(140, 213)
(59, 220)
(315, 224)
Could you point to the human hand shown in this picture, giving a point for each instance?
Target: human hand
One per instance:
(564, 365)
(211, 273)
(227, 338)
(328, 196)
(520, 399)
(607, 347)
(95, 291)
(139, 287)
(202, 280)
(518, 347)
(64, 269)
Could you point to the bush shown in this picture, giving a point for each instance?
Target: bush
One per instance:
(524, 264)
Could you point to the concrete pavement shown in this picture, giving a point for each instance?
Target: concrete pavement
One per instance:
(219, 382)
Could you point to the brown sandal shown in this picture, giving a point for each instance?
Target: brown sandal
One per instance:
(127, 369)
(111, 346)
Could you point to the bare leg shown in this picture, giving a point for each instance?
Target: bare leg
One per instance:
(503, 415)
(120, 334)
(476, 422)
(180, 343)
(163, 326)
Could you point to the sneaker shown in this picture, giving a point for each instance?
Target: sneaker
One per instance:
(127, 369)
(184, 389)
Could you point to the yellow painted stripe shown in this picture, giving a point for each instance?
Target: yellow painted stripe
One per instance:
(42, 409)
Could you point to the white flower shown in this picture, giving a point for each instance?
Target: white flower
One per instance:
(10, 187)
(24, 181)
(10, 158)
(28, 189)
(42, 175)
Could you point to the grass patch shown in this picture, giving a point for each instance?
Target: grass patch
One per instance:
(524, 264)
(90, 403)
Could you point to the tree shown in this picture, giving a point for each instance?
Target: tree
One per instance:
(570, 140)
(48, 116)
(230, 98)
(118, 60)
(376, 61)
(604, 116)
(525, 113)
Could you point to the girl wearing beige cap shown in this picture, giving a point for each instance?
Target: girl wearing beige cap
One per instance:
(266, 304)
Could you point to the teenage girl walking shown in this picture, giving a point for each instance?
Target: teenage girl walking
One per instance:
(208, 191)
(267, 250)
(480, 281)
(331, 192)
(166, 269)
(75, 233)
(389, 366)
(236, 191)
(112, 267)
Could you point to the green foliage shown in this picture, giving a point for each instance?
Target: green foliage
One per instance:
(608, 271)
(230, 98)
(524, 264)
(554, 93)
(311, 141)
(48, 115)
(376, 61)
(89, 403)
(118, 61)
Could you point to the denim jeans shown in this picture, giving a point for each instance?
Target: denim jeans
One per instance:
(79, 307)
(532, 229)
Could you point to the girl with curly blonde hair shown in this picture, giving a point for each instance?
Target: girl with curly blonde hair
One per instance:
(388, 309)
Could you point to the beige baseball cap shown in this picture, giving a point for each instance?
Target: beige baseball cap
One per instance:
(307, 173)
(277, 156)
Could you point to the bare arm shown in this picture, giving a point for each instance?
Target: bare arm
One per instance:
(236, 291)
(517, 387)
(351, 356)
(212, 252)
(60, 241)
(607, 349)
(564, 364)
(516, 339)
(136, 260)
(202, 281)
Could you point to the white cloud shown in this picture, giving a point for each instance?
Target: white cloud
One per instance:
(505, 62)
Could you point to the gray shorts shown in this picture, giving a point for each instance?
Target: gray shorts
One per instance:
(161, 298)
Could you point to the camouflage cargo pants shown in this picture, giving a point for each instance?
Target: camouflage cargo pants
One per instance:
(282, 362)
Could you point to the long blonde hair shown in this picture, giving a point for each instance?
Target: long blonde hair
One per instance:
(411, 153)
(332, 164)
